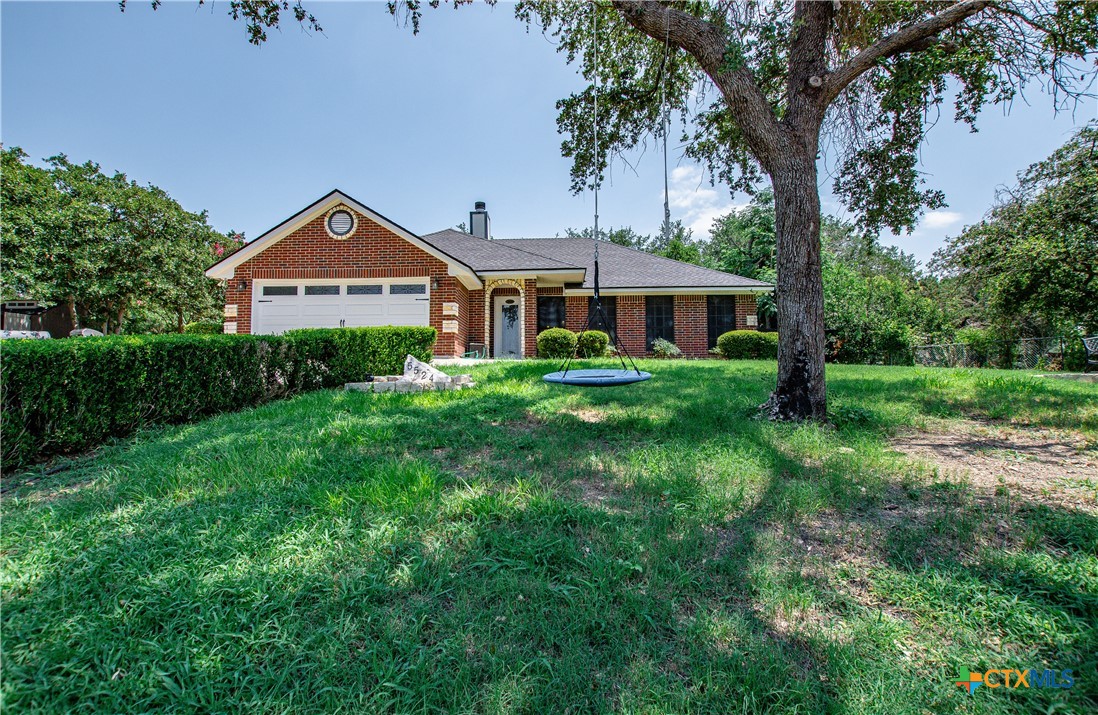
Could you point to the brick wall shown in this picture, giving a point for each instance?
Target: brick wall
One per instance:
(631, 330)
(575, 312)
(530, 348)
(692, 325)
(745, 306)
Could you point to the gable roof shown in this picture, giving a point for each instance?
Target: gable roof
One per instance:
(622, 267)
(225, 268)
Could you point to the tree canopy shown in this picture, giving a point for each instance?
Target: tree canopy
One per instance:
(113, 250)
(1033, 260)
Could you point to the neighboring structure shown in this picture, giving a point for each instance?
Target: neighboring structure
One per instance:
(30, 315)
(338, 263)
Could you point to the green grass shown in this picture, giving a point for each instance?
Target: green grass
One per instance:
(531, 548)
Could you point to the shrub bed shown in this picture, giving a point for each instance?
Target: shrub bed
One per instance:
(558, 343)
(592, 343)
(60, 396)
(748, 345)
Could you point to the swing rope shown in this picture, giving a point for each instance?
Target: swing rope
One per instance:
(597, 308)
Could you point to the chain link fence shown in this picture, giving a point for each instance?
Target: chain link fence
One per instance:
(1056, 352)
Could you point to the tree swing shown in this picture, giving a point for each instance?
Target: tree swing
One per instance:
(627, 375)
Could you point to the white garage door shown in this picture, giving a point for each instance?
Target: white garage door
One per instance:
(278, 306)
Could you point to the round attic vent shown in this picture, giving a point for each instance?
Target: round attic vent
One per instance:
(340, 223)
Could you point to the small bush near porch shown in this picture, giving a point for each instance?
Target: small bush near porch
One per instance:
(533, 548)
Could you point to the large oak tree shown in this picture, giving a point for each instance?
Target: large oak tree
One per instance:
(760, 87)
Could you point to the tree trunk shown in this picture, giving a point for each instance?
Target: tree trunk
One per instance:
(800, 393)
(179, 321)
(73, 313)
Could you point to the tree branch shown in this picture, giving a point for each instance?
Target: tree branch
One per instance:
(902, 40)
(709, 45)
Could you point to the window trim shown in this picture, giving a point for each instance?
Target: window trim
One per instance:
(328, 222)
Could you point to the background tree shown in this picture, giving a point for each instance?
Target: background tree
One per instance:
(1032, 263)
(772, 78)
(115, 252)
(742, 242)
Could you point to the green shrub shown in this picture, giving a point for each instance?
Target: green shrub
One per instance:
(592, 343)
(665, 349)
(60, 396)
(748, 345)
(556, 343)
(65, 395)
(203, 327)
(330, 357)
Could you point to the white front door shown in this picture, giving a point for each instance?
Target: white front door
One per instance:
(278, 306)
(508, 320)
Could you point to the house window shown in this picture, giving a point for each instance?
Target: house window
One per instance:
(550, 312)
(408, 289)
(721, 311)
(364, 290)
(659, 318)
(321, 290)
(610, 307)
(279, 290)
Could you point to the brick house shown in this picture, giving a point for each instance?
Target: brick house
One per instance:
(338, 263)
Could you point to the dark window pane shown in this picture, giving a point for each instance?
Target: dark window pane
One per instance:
(408, 289)
(321, 290)
(279, 290)
(610, 307)
(364, 290)
(721, 311)
(550, 312)
(659, 318)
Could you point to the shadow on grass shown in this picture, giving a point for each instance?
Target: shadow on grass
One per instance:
(431, 552)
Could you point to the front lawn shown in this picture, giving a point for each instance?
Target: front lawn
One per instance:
(523, 547)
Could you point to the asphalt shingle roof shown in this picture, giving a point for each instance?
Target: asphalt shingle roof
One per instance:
(484, 255)
(623, 267)
(619, 266)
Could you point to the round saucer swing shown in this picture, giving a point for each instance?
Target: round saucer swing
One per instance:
(627, 374)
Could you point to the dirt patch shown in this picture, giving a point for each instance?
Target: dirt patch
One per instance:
(586, 414)
(529, 423)
(465, 465)
(597, 493)
(1054, 468)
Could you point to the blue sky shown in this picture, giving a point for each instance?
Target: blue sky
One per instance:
(416, 127)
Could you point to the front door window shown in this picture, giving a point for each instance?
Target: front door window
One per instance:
(507, 328)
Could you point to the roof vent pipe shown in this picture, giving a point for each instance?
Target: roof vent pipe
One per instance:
(480, 224)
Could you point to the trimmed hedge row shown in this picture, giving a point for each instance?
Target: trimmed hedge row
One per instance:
(60, 396)
(330, 357)
(748, 345)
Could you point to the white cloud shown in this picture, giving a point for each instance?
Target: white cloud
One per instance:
(938, 220)
(695, 202)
